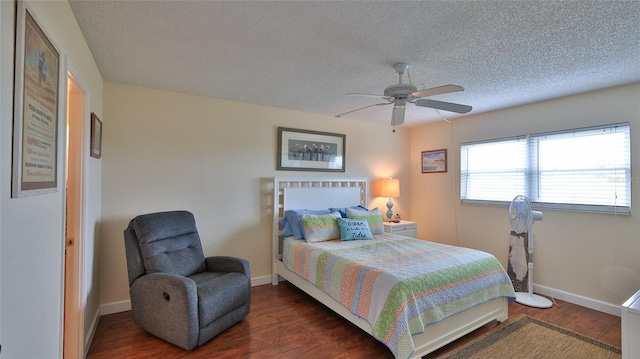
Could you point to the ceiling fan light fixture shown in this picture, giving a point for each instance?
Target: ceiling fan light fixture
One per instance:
(400, 103)
(397, 115)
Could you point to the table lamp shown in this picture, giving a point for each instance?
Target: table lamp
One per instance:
(389, 188)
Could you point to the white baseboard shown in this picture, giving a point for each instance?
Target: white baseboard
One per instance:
(579, 300)
(261, 280)
(125, 305)
(92, 331)
(116, 307)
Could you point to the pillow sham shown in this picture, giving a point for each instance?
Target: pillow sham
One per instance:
(320, 227)
(291, 224)
(354, 229)
(373, 217)
(343, 210)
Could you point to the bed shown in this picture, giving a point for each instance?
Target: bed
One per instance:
(401, 336)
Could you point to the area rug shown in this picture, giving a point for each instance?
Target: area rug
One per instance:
(527, 337)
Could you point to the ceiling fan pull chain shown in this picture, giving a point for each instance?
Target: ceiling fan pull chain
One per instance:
(441, 116)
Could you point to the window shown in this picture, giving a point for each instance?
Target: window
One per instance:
(579, 170)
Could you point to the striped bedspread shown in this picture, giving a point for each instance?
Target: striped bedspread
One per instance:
(399, 284)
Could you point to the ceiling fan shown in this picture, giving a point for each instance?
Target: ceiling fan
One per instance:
(402, 93)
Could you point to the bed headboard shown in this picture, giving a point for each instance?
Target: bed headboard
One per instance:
(314, 193)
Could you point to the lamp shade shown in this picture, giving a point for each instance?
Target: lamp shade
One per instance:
(389, 188)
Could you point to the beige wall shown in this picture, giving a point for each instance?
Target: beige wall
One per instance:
(32, 232)
(166, 150)
(216, 158)
(591, 255)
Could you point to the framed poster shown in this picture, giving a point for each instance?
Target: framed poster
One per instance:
(96, 136)
(434, 161)
(35, 108)
(302, 150)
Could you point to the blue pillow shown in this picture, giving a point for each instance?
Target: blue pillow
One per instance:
(292, 223)
(353, 229)
(286, 228)
(343, 211)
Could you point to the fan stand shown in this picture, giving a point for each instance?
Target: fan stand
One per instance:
(533, 300)
(528, 298)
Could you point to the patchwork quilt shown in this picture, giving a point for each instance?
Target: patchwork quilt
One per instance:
(399, 284)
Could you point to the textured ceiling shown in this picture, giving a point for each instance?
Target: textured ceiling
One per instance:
(306, 55)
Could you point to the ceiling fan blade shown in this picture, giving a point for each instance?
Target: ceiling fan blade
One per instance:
(437, 91)
(362, 108)
(397, 118)
(447, 106)
(364, 94)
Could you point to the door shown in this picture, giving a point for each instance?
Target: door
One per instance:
(73, 337)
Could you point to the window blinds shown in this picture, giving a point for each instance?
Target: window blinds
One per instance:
(579, 170)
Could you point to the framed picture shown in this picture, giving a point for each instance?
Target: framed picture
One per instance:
(434, 161)
(35, 108)
(302, 150)
(96, 136)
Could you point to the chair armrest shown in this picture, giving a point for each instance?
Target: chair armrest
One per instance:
(166, 305)
(228, 264)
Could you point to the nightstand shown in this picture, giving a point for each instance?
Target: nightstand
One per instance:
(404, 228)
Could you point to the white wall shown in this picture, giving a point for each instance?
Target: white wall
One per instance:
(590, 255)
(216, 158)
(31, 240)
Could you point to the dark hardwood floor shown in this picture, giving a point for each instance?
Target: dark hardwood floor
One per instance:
(284, 322)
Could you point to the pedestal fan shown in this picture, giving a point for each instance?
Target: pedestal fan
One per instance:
(521, 218)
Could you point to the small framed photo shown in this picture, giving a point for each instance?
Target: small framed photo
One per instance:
(96, 136)
(434, 161)
(303, 150)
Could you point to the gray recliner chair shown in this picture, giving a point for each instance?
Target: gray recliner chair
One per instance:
(176, 293)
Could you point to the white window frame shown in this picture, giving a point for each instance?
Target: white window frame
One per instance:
(476, 186)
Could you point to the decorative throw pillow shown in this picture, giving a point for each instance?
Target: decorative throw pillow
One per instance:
(353, 229)
(320, 227)
(292, 226)
(373, 217)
